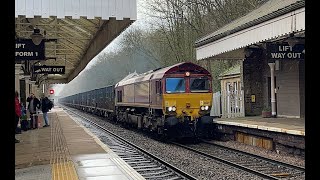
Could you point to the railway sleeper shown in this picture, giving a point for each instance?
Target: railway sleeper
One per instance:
(132, 156)
(135, 159)
(161, 176)
(147, 161)
(149, 169)
(164, 172)
(175, 178)
(146, 166)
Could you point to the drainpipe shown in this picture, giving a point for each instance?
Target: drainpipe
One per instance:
(273, 95)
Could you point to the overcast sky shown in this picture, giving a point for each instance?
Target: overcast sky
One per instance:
(141, 22)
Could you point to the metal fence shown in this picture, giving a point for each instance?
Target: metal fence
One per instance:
(216, 105)
(227, 104)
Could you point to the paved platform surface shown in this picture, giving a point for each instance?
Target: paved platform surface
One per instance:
(34, 172)
(67, 150)
(295, 126)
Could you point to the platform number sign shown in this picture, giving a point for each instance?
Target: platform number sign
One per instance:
(26, 50)
(51, 91)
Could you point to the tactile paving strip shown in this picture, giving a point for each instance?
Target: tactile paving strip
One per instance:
(62, 165)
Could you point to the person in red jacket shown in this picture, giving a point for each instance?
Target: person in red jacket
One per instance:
(17, 112)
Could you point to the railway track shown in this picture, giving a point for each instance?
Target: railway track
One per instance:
(145, 163)
(260, 166)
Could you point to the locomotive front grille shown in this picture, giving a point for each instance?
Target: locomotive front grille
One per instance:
(187, 119)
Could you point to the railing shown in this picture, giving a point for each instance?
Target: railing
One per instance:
(216, 105)
(232, 104)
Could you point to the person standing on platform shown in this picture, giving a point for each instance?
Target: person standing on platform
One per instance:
(34, 103)
(17, 112)
(46, 105)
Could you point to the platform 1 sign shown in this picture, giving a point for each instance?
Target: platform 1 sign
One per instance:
(49, 69)
(27, 50)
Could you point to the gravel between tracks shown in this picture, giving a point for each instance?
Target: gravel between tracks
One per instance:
(196, 165)
(286, 158)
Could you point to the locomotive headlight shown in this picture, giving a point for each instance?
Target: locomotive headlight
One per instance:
(174, 108)
(206, 107)
(202, 108)
(171, 108)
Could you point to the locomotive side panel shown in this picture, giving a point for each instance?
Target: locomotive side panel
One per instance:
(141, 92)
(156, 94)
(118, 95)
(128, 93)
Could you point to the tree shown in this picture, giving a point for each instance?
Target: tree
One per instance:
(175, 26)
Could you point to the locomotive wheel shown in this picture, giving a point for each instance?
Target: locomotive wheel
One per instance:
(162, 134)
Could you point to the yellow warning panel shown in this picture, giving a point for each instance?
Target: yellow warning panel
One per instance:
(64, 171)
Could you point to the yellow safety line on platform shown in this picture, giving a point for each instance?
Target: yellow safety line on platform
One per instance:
(64, 171)
(61, 162)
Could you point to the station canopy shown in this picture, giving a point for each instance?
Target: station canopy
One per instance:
(74, 31)
(271, 21)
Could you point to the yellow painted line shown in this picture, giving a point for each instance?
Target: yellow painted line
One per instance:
(64, 171)
(117, 160)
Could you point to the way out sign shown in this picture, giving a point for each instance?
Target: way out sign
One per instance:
(284, 51)
(49, 69)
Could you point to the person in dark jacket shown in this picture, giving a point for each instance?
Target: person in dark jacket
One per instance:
(34, 103)
(17, 112)
(46, 105)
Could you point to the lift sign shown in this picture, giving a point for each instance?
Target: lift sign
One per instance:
(284, 51)
(49, 69)
(27, 50)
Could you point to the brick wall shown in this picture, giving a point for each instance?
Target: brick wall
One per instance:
(253, 85)
(289, 84)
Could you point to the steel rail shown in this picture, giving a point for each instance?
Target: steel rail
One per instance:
(179, 171)
(227, 162)
(256, 156)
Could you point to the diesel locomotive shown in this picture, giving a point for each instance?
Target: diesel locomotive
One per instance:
(174, 101)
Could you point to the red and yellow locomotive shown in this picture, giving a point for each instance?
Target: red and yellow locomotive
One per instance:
(174, 101)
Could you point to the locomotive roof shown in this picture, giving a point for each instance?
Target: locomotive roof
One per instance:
(159, 73)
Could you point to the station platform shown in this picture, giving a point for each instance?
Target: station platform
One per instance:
(67, 150)
(280, 134)
(294, 126)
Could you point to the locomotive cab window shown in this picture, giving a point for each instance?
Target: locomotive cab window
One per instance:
(175, 85)
(158, 87)
(199, 84)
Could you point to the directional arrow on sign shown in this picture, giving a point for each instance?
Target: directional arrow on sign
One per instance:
(49, 69)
